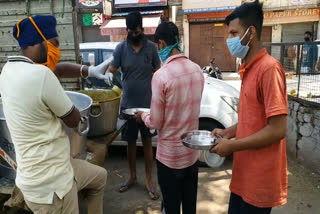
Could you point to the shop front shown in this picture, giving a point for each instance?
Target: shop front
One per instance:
(207, 33)
(117, 30)
(292, 24)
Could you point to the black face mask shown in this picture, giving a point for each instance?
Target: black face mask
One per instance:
(135, 40)
(307, 39)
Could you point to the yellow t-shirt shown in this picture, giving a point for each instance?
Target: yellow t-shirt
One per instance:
(33, 100)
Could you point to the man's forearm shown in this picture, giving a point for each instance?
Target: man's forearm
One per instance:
(266, 136)
(70, 70)
(231, 131)
(314, 66)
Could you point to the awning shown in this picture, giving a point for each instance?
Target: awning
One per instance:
(118, 26)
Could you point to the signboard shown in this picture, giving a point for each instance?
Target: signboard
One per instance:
(88, 4)
(291, 16)
(139, 3)
(92, 19)
(123, 31)
(204, 6)
(118, 26)
(219, 15)
(300, 2)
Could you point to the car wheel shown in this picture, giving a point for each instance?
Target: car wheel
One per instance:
(211, 159)
(209, 124)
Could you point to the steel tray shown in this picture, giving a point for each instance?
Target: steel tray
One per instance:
(133, 111)
(199, 140)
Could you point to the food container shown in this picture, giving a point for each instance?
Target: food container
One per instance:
(104, 111)
(78, 139)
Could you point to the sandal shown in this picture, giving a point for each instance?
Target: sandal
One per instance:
(125, 186)
(153, 194)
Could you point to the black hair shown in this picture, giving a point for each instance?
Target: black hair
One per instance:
(134, 20)
(309, 33)
(250, 14)
(168, 32)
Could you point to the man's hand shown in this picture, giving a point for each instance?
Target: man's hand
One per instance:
(223, 148)
(100, 71)
(138, 116)
(219, 132)
(225, 133)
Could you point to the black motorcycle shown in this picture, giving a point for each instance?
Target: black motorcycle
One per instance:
(213, 70)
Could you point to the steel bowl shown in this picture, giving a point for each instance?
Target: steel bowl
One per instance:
(198, 140)
(133, 111)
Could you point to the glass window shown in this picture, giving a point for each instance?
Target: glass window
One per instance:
(107, 54)
(88, 58)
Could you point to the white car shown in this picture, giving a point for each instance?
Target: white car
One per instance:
(218, 104)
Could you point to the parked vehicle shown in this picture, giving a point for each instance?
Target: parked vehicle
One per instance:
(216, 105)
(94, 53)
(213, 70)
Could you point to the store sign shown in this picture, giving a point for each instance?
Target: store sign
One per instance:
(203, 6)
(92, 19)
(210, 16)
(301, 2)
(94, 4)
(139, 3)
(291, 16)
(123, 31)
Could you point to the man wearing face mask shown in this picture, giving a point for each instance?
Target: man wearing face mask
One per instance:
(138, 60)
(309, 54)
(175, 107)
(35, 105)
(259, 173)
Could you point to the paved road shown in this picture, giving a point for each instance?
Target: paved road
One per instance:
(213, 191)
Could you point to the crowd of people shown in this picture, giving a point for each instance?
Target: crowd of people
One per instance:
(155, 75)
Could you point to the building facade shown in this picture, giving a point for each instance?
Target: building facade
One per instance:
(205, 32)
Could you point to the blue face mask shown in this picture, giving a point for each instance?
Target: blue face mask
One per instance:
(236, 48)
(165, 53)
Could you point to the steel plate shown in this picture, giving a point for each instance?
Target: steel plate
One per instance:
(133, 111)
(199, 140)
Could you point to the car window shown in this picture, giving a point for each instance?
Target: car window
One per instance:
(107, 54)
(88, 58)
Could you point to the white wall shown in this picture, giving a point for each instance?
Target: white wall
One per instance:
(186, 36)
(318, 33)
(276, 38)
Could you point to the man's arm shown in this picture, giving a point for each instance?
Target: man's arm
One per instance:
(70, 70)
(112, 69)
(116, 60)
(273, 132)
(72, 120)
(315, 57)
(155, 119)
(155, 59)
(54, 97)
(226, 133)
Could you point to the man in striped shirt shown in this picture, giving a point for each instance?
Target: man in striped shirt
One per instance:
(175, 107)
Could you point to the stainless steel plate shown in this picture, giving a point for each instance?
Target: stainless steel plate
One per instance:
(199, 140)
(132, 111)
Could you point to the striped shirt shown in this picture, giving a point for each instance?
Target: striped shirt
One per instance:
(175, 107)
